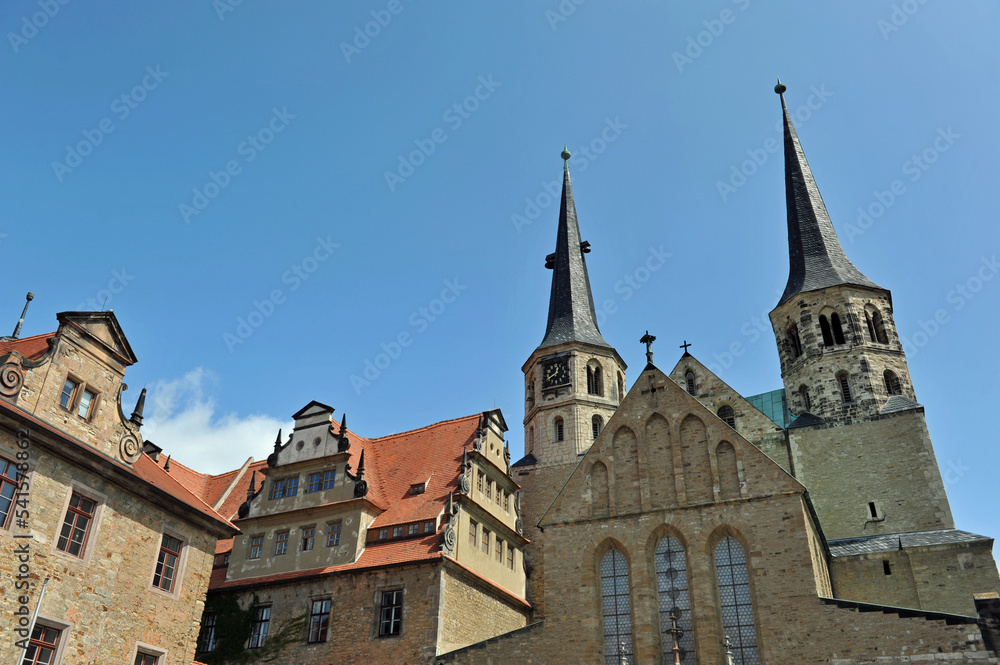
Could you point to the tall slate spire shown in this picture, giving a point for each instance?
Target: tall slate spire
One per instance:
(816, 259)
(571, 304)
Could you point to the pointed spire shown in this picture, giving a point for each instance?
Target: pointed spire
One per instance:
(166, 465)
(361, 466)
(343, 443)
(277, 441)
(140, 404)
(816, 259)
(571, 304)
(20, 322)
(252, 489)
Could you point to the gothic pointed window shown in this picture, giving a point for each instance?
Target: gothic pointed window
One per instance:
(617, 610)
(596, 423)
(824, 327)
(689, 380)
(892, 385)
(672, 587)
(838, 329)
(736, 602)
(559, 429)
(844, 386)
(878, 323)
(794, 343)
(728, 415)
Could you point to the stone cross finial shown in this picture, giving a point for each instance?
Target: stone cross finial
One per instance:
(648, 340)
(685, 346)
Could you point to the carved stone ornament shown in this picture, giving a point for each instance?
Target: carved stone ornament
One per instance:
(519, 526)
(448, 547)
(11, 380)
(129, 448)
(360, 489)
(465, 482)
(244, 509)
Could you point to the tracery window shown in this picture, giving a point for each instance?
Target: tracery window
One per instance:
(736, 602)
(672, 586)
(617, 610)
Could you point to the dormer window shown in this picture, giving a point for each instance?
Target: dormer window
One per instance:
(85, 407)
(68, 393)
(76, 397)
(418, 488)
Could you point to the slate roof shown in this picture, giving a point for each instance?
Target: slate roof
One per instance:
(816, 259)
(805, 420)
(891, 542)
(571, 304)
(899, 403)
(527, 460)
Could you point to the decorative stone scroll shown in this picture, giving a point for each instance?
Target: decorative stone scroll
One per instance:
(11, 380)
(129, 448)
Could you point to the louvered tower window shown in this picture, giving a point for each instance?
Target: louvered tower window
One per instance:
(596, 423)
(559, 429)
(672, 586)
(806, 402)
(843, 383)
(892, 385)
(736, 602)
(728, 415)
(689, 380)
(824, 328)
(838, 329)
(617, 610)
(879, 324)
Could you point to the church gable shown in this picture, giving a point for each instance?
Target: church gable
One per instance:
(663, 449)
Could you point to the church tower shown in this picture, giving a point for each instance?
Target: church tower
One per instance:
(841, 358)
(574, 380)
(573, 383)
(858, 439)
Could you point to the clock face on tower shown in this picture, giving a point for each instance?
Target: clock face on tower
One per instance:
(555, 373)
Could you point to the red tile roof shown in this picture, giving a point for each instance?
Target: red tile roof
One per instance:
(143, 469)
(31, 348)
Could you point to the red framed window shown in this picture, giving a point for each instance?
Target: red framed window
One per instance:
(256, 545)
(281, 543)
(42, 646)
(308, 538)
(333, 534)
(499, 550)
(8, 490)
(76, 524)
(166, 563)
(68, 392)
(87, 401)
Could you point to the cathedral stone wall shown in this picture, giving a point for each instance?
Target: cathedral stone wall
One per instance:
(943, 578)
(103, 600)
(889, 462)
(472, 612)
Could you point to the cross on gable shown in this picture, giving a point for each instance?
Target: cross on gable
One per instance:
(685, 346)
(648, 340)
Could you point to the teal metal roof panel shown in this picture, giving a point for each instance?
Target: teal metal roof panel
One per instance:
(773, 405)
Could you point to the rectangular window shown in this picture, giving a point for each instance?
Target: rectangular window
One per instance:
(473, 532)
(391, 619)
(42, 646)
(293, 486)
(333, 534)
(486, 541)
(258, 629)
(281, 543)
(308, 538)
(499, 495)
(418, 488)
(413, 529)
(280, 487)
(397, 531)
(328, 479)
(429, 526)
(143, 658)
(208, 638)
(79, 515)
(489, 489)
(499, 551)
(315, 482)
(166, 563)
(86, 402)
(319, 620)
(8, 489)
(68, 392)
(506, 502)
(479, 481)
(256, 545)
(510, 557)
(383, 534)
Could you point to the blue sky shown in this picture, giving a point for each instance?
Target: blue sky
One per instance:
(266, 195)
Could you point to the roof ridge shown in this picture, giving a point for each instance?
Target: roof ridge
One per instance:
(425, 427)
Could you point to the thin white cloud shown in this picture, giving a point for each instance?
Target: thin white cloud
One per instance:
(182, 420)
